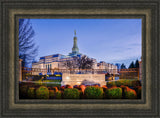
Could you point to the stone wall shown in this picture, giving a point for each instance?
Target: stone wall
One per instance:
(86, 79)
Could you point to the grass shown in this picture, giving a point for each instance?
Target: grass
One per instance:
(49, 83)
(51, 80)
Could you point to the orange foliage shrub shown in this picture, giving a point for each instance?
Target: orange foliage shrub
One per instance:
(104, 88)
(82, 87)
(68, 86)
(55, 89)
(62, 88)
(130, 93)
(51, 94)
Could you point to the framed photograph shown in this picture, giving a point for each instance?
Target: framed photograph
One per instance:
(76, 75)
(79, 58)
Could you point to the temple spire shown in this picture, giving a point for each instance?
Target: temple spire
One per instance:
(75, 47)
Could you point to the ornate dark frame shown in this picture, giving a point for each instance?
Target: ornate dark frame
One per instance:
(12, 10)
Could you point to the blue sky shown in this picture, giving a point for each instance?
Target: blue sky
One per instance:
(109, 40)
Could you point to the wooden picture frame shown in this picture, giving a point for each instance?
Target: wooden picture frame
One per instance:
(12, 10)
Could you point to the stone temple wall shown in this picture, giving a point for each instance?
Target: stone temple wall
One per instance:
(86, 79)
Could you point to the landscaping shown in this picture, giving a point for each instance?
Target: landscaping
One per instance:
(125, 82)
(120, 89)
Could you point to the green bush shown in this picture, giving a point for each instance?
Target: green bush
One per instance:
(125, 82)
(70, 93)
(42, 93)
(58, 95)
(51, 94)
(130, 93)
(93, 92)
(118, 83)
(23, 91)
(111, 83)
(136, 83)
(31, 92)
(128, 83)
(113, 93)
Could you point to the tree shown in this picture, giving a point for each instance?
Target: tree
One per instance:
(68, 64)
(118, 65)
(123, 66)
(71, 64)
(83, 62)
(137, 64)
(27, 48)
(131, 65)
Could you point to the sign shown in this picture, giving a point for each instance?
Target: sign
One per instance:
(85, 79)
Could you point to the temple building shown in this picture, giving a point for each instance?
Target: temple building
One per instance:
(56, 61)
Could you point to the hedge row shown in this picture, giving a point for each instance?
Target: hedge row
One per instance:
(125, 82)
(79, 92)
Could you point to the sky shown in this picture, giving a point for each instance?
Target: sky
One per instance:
(109, 40)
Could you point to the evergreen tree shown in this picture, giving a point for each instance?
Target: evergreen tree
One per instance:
(123, 66)
(131, 65)
(118, 66)
(137, 64)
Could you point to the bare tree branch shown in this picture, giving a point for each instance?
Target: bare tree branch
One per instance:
(83, 62)
(27, 48)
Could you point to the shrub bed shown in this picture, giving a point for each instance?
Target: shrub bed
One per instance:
(58, 95)
(81, 94)
(23, 91)
(125, 82)
(70, 93)
(55, 89)
(93, 92)
(113, 93)
(42, 93)
(136, 83)
(129, 93)
(110, 84)
(82, 88)
(51, 94)
(31, 93)
(138, 90)
(68, 86)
